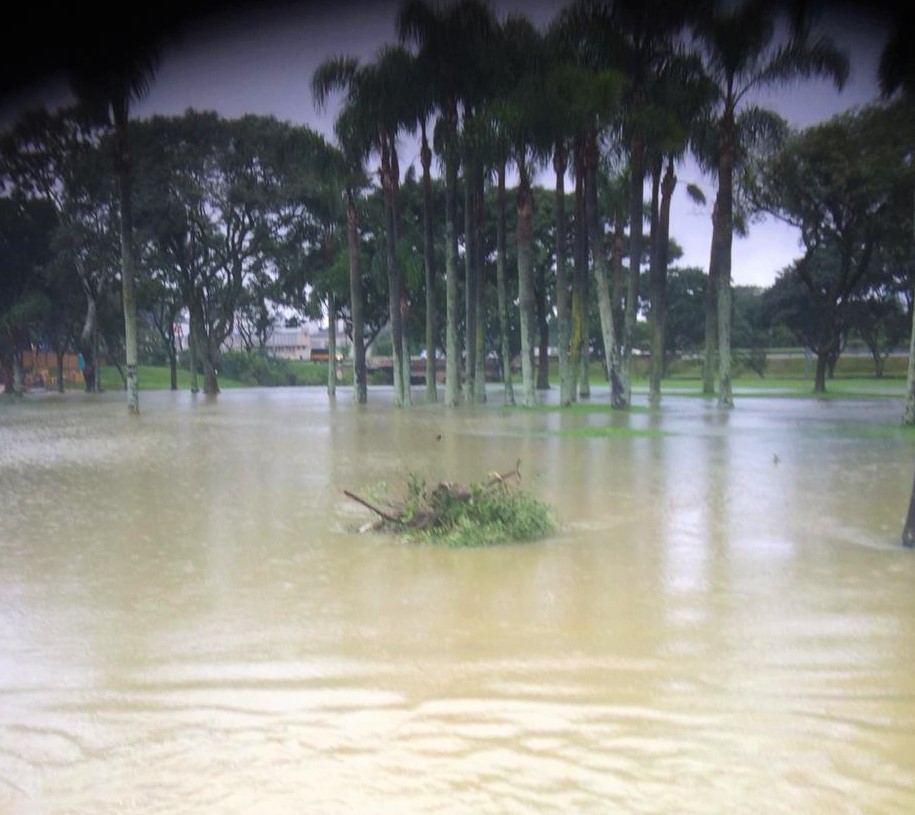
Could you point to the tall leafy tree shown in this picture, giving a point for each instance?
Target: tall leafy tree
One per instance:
(60, 158)
(525, 124)
(842, 184)
(681, 97)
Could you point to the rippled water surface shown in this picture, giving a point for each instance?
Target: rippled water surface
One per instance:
(190, 622)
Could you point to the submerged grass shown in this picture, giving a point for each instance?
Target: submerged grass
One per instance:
(611, 431)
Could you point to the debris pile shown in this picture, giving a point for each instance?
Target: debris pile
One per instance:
(483, 513)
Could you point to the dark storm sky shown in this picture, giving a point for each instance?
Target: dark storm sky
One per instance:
(256, 57)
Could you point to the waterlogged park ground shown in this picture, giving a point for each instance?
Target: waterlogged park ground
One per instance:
(723, 622)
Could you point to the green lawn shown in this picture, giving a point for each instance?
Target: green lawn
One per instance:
(786, 375)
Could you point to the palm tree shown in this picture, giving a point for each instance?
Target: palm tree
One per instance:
(418, 93)
(449, 41)
(593, 95)
(108, 78)
(742, 54)
(523, 118)
(349, 130)
(634, 37)
(682, 97)
(374, 112)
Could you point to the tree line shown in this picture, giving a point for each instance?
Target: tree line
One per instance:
(227, 220)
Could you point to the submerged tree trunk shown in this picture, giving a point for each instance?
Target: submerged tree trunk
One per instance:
(611, 349)
(193, 356)
(59, 373)
(581, 324)
(637, 182)
(542, 328)
(908, 531)
(394, 279)
(725, 223)
(658, 312)
(128, 262)
(711, 310)
(208, 351)
(819, 380)
(331, 349)
(428, 261)
(501, 292)
(909, 415)
(172, 367)
(543, 332)
(525, 230)
(470, 285)
(563, 306)
(87, 340)
(479, 376)
(18, 380)
(360, 390)
(452, 352)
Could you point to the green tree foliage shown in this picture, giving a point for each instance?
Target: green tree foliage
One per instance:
(215, 202)
(25, 231)
(844, 185)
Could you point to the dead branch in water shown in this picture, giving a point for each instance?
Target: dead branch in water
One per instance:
(391, 518)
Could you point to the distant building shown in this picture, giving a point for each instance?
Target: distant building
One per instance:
(305, 341)
(289, 343)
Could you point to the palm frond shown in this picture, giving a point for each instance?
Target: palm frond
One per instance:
(337, 74)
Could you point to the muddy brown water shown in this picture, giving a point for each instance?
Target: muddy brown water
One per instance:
(189, 622)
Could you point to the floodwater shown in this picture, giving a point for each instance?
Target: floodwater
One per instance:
(190, 622)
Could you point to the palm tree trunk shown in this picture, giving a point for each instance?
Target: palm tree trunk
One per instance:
(563, 307)
(543, 332)
(357, 307)
(428, 259)
(479, 377)
(659, 303)
(604, 304)
(404, 303)
(501, 292)
(525, 210)
(654, 378)
(726, 218)
(128, 263)
(331, 348)
(657, 316)
(470, 284)
(452, 353)
(637, 182)
(711, 307)
(394, 293)
(581, 340)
